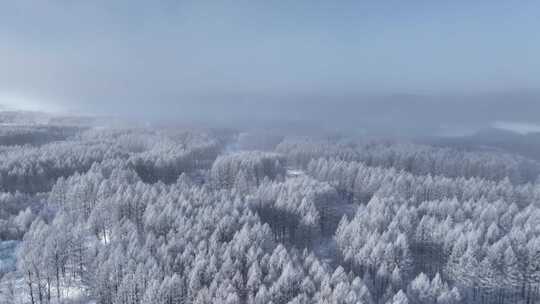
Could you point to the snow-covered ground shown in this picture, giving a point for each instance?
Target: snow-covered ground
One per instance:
(13, 289)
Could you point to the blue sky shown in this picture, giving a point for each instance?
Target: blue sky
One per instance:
(102, 55)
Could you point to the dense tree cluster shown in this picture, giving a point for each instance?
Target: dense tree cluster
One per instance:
(35, 169)
(298, 210)
(478, 234)
(300, 151)
(357, 182)
(16, 213)
(414, 158)
(163, 156)
(246, 169)
(166, 161)
(140, 216)
(34, 135)
(132, 242)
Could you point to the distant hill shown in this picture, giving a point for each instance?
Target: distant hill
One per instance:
(27, 118)
(527, 145)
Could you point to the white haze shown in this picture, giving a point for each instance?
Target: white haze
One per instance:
(518, 127)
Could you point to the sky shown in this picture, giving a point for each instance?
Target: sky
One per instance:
(205, 59)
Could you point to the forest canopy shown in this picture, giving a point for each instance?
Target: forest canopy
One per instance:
(180, 215)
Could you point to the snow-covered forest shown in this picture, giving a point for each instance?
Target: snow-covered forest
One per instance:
(193, 215)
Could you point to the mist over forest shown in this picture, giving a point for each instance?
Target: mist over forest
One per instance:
(269, 152)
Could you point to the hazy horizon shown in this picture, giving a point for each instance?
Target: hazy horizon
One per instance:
(347, 66)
